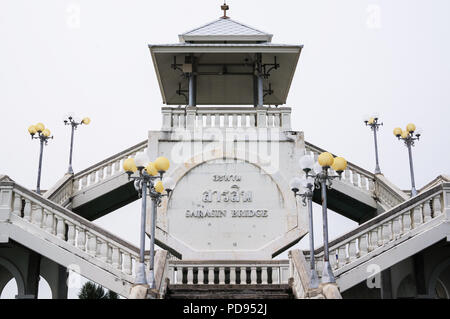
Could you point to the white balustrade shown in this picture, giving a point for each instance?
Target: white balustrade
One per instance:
(391, 226)
(224, 117)
(239, 272)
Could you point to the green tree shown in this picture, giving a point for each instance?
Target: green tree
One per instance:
(93, 291)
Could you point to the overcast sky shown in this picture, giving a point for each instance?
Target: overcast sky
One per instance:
(91, 58)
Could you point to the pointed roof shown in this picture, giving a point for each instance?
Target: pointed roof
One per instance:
(225, 29)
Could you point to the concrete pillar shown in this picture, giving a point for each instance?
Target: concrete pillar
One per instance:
(386, 284)
(32, 278)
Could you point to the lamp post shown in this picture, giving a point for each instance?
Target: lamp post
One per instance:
(296, 184)
(375, 126)
(323, 180)
(148, 181)
(409, 137)
(43, 137)
(74, 125)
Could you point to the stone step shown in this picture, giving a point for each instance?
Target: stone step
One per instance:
(229, 292)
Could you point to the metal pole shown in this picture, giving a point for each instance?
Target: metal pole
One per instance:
(327, 273)
(152, 244)
(70, 171)
(38, 185)
(413, 184)
(140, 272)
(260, 81)
(377, 166)
(314, 280)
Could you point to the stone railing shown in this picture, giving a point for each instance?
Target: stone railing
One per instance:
(387, 193)
(224, 117)
(389, 228)
(67, 230)
(229, 272)
(62, 191)
(106, 169)
(353, 175)
(299, 272)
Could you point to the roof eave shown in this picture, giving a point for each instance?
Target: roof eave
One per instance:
(225, 49)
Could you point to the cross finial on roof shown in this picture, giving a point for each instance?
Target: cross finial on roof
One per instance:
(225, 8)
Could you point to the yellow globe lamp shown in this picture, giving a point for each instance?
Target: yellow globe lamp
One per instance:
(32, 129)
(326, 159)
(405, 134)
(410, 128)
(162, 164)
(339, 164)
(86, 120)
(46, 132)
(398, 131)
(129, 165)
(159, 187)
(371, 120)
(39, 127)
(151, 169)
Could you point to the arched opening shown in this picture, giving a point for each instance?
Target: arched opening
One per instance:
(10, 290)
(439, 286)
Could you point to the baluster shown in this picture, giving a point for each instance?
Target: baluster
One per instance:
(84, 181)
(217, 120)
(81, 240)
(333, 259)
(270, 120)
(352, 250)
(264, 275)
(92, 245)
(17, 205)
(406, 222)
(49, 222)
(115, 257)
(373, 240)
(417, 216)
(182, 121)
(397, 227)
(371, 185)
(426, 212)
(387, 231)
(103, 250)
(380, 235)
(116, 167)
(27, 211)
(179, 279)
(252, 120)
(175, 121)
(253, 275)
(36, 217)
(60, 228)
(221, 275)
(275, 275)
(342, 258)
(190, 275)
(101, 174)
(127, 263)
(92, 178)
(355, 178)
(200, 276)
(109, 170)
(71, 234)
(208, 120)
(76, 185)
(437, 206)
(363, 245)
(211, 275)
(363, 182)
(347, 175)
(277, 122)
(226, 122)
(232, 275)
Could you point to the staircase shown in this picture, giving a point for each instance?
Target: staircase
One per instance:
(389, 238)
(282, 291)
